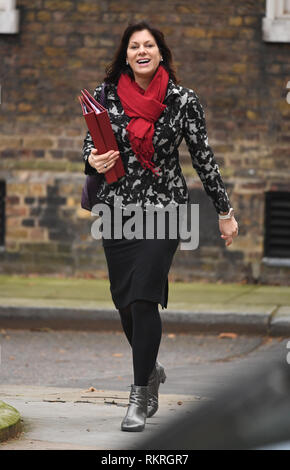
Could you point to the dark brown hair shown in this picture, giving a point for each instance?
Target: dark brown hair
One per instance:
(118, 65)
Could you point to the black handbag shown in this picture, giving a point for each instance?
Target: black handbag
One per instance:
(92, 182)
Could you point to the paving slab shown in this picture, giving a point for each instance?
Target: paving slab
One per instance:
(69, 418)
(266, 294)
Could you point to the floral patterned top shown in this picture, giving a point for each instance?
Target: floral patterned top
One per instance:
(182, 118)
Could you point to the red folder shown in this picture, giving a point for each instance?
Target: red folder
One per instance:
(100, 128)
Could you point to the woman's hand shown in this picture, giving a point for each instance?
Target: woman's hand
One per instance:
(98, 161)
(229, 229)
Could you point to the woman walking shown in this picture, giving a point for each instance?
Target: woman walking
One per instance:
(150, 114)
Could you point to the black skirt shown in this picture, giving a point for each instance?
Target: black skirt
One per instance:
(138, 268)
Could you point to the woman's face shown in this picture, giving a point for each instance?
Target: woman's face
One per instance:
(141, 46)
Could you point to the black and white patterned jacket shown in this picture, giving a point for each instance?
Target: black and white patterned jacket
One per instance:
(183, 117)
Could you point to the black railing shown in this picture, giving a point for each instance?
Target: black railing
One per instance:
(277, 224)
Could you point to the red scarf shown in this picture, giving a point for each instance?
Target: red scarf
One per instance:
(144, 107)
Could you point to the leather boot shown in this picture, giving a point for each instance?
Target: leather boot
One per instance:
(157, 375)
(135, 418)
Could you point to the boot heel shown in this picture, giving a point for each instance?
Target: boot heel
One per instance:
(158, 376)
(162, 377)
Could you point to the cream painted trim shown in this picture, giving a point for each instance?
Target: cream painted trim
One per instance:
(9, 17)
(276, 23)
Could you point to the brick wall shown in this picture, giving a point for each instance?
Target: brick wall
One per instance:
(64, 46)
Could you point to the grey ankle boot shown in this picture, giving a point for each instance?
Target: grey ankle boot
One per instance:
(135, 418)
(157, 375)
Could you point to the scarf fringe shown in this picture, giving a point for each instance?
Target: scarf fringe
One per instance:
(144, 113)
(148, 164)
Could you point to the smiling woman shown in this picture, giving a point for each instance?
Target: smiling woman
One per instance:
(143, 56)
(150, 115)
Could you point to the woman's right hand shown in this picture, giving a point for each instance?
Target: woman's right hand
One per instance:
(98, 161)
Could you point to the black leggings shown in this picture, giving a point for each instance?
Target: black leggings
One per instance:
(143, 328)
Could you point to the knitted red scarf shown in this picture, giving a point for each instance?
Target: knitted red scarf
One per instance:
(144, 107)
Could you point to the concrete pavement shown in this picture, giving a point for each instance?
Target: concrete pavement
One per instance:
(69, 418)
(69, 303)
(79, 419)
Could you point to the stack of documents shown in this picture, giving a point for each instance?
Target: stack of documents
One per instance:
(100, 128)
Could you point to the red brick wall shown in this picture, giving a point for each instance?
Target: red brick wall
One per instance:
(64, 46)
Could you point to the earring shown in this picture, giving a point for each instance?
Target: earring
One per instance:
(127, 63)
(161, 59)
